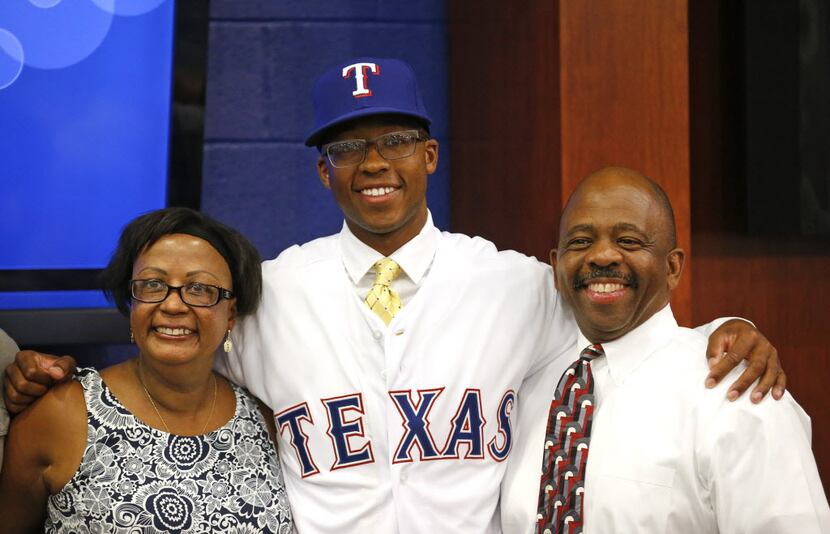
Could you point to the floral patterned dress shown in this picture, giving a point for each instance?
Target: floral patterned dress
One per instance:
(136, 479)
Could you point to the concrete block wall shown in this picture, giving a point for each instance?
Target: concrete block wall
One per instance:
(263, 57)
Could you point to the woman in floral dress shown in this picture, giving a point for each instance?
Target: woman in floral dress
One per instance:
(158, 443)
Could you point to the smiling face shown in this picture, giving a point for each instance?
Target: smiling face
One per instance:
(615, 263)
(171, 331)
(384, 201)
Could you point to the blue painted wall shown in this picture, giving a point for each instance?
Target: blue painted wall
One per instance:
(264, 56)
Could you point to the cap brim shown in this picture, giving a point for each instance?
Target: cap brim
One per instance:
(314, 138)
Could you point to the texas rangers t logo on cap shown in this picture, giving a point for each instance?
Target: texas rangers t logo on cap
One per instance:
(338, 99)
(360, 77)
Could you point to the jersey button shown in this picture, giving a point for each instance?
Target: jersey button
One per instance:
(403, 478)
(377, 334)
(383, 375)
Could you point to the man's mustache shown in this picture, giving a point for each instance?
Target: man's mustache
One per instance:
(581, 280)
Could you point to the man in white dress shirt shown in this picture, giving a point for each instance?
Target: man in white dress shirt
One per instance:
(663, 456)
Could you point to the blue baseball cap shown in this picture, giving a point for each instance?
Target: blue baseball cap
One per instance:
(362, 87)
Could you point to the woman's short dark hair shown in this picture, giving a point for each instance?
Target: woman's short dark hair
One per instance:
(142, 232)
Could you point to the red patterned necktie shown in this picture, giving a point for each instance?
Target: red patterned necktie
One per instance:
(561, 492)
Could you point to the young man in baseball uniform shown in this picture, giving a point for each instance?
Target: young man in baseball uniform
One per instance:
(393, 353)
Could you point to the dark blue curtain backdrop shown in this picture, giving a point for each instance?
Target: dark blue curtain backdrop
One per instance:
(264, 56)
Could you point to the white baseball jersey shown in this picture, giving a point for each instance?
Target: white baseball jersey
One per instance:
(404, 428)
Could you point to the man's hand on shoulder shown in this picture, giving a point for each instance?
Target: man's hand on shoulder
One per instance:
(31, 375)
(737, 340)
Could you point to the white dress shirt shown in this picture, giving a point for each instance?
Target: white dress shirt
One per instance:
(668, 455)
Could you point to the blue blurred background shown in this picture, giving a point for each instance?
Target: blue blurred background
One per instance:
(89, 92)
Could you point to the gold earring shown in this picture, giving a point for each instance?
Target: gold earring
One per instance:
(132, 338)
(228, 346)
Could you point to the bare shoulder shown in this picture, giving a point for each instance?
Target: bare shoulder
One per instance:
(120, 372)
(42, 451)
(61, 406)
(53, 429)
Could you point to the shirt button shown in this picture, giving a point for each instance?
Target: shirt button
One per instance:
(403, 478)
(383, 375)
(377, 334)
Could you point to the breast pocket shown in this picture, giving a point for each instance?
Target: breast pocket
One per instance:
(631, 498)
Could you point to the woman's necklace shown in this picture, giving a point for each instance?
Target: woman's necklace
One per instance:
(153, 403)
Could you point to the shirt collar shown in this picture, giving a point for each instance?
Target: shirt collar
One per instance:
(626, 354)
(414, 257)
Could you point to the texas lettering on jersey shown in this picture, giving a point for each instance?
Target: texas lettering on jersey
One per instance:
(352, 448)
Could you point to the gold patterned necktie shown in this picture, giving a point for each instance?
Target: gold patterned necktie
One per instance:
(382, 299)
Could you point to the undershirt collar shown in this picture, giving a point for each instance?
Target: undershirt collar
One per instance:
(414, 257)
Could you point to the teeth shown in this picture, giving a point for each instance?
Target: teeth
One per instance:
(605, 288)
(377, 191)
(173, 331)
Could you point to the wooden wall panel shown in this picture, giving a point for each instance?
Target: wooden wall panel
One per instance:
(504, 117)
(774, 281)
(624, 87)
(544, 92)
(752, 278)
